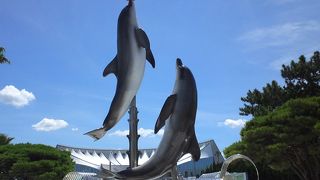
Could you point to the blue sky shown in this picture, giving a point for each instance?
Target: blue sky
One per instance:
(53, 91)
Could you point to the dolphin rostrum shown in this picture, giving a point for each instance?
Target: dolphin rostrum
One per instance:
(178, 114)
(133, 48)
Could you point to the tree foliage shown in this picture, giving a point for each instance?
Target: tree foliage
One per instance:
(284, 135)
(265, 172)
(261, 102)
(3, 59)
(238, 147)
(302, 79)
(36, 162)
(4, 139)
(287, 139)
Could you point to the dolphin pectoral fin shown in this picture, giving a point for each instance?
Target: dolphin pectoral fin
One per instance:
(166, 111)
(194, 148)
(143, 41)
(111, 67)
(150, 58)
(142, 38)
(97, 133)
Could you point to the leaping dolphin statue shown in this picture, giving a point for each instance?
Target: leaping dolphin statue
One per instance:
(178, 115)
(133, 48)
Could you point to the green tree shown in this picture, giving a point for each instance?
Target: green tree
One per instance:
(284, 135)
(4, 139)
(259, 103)
(302, 79)
(238, 147)
(3, 59)
(287, 139)
(36, 162)
(265, 172)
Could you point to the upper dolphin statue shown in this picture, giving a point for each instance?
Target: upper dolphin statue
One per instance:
(178, 115)
(133, 48)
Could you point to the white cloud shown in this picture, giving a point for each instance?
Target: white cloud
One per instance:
(149, 132)
(239, 123)
(47, 125)
(119, 133)
(15, 97)
(74, 129)
(141, 131)
(284, 34)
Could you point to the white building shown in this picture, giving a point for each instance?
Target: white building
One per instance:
(91, 160)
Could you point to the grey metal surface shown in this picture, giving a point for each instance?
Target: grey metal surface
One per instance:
(179, 138)
(133, 48)
(233, 158)
(133, 134)
(174, 173)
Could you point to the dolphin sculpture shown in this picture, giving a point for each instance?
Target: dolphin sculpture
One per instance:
(178, 114)
(133, 48)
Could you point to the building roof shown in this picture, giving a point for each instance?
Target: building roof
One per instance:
(96, 158)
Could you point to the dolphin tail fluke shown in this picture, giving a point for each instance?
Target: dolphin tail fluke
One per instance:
(104, 175)
(97, 133)
(107, 174)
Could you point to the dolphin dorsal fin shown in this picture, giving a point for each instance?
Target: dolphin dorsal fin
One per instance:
(166, 111)
(111, 67)
(143, 41)
(194, 148)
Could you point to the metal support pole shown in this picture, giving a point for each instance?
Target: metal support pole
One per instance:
(174, 173)
(133, 134)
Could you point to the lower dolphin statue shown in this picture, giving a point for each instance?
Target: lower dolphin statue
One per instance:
(178, 114)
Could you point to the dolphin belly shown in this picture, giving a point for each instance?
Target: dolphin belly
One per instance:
(133, 49)
(130, 76)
